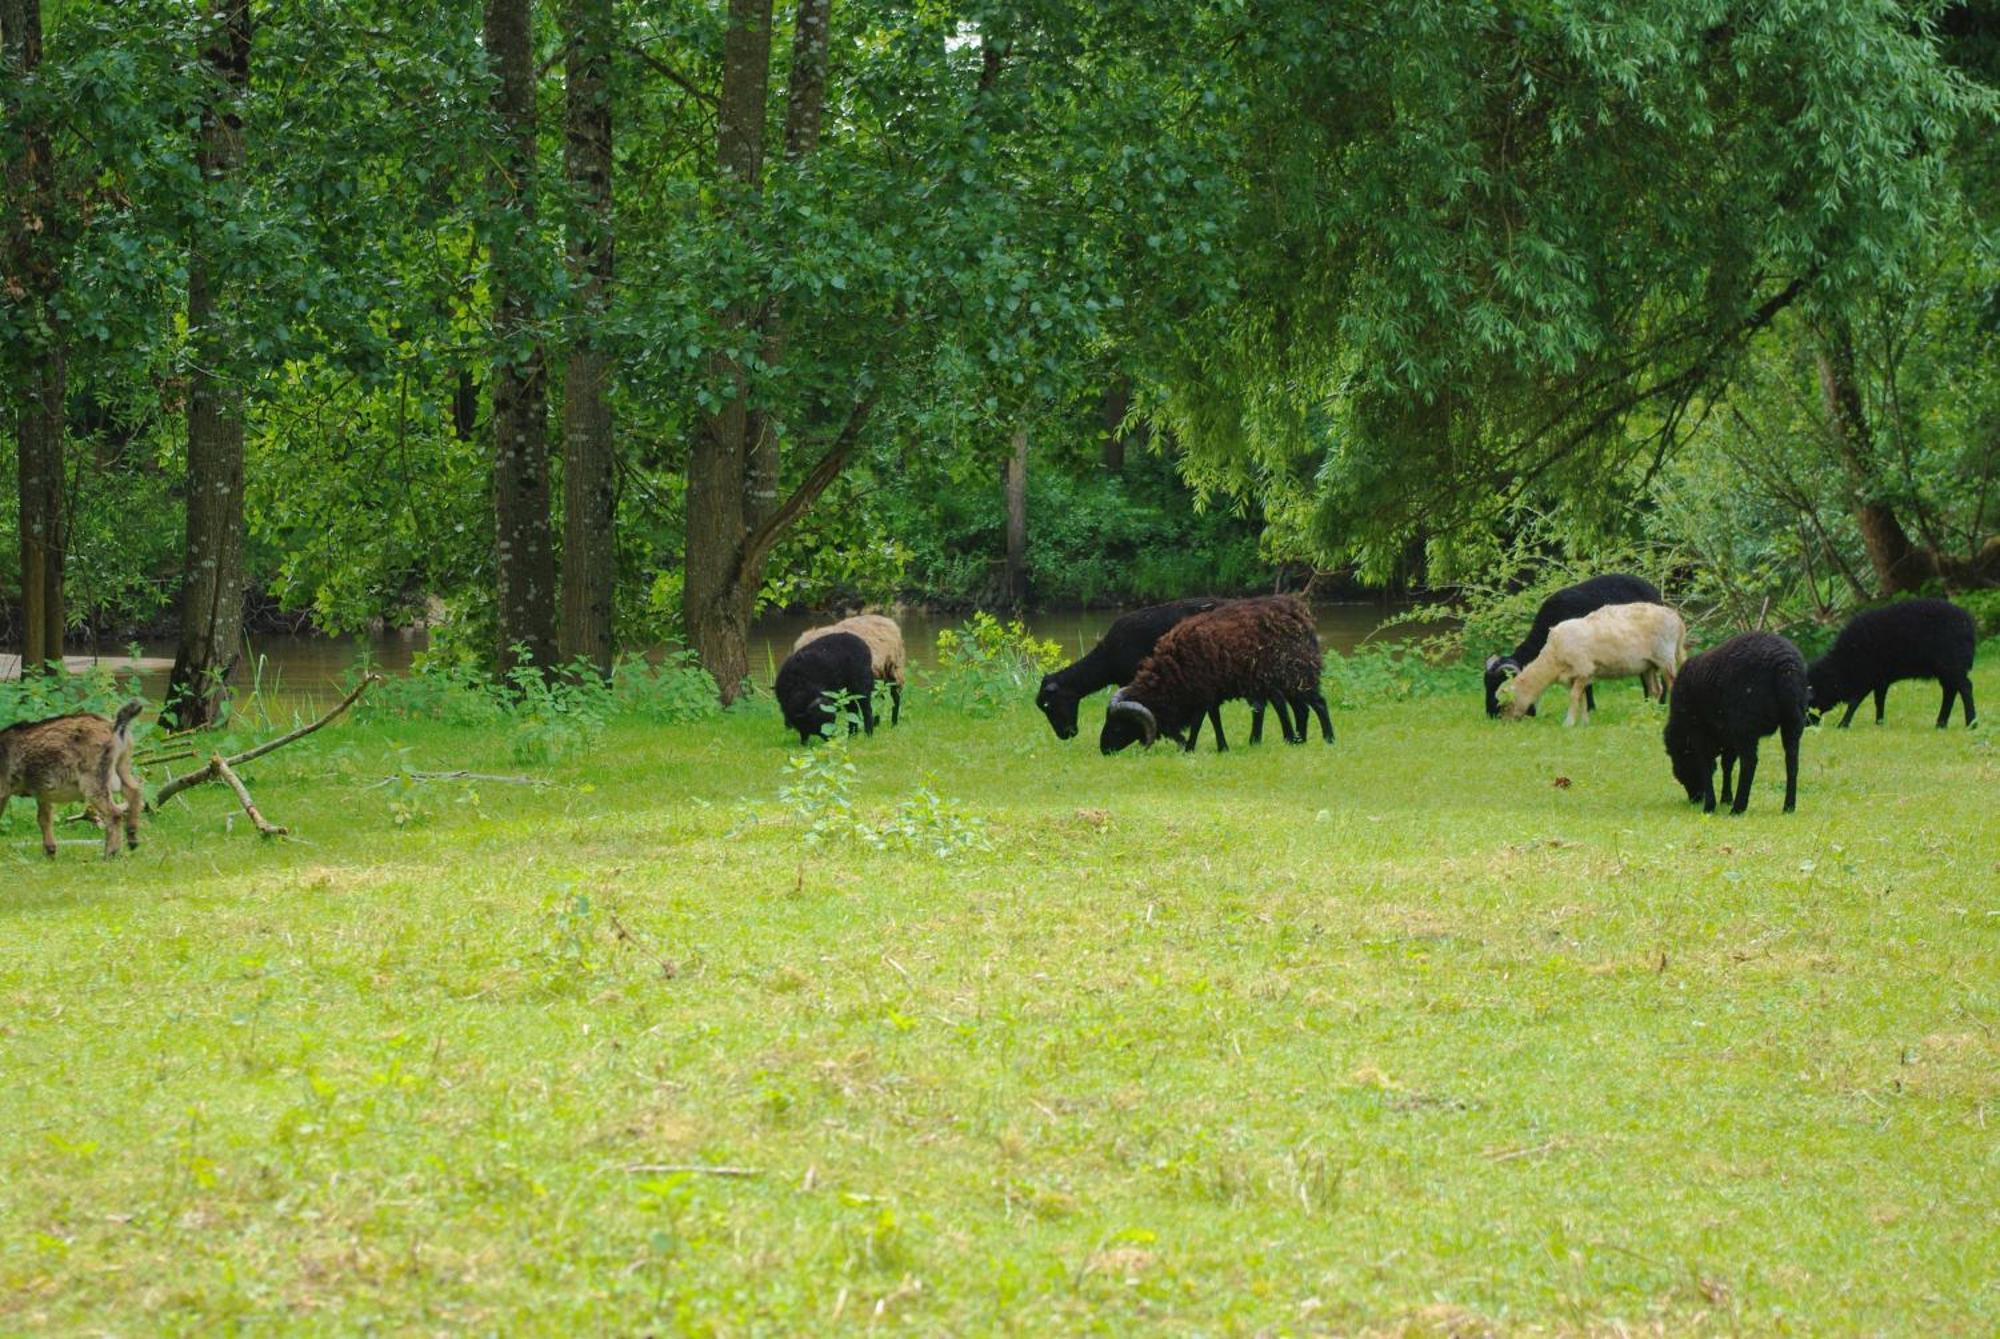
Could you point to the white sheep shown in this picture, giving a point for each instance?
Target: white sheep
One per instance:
(885, 648)
(1614, 642)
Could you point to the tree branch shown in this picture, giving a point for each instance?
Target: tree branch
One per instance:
(824, 471)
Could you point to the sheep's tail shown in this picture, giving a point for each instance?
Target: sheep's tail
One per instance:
(122, 727)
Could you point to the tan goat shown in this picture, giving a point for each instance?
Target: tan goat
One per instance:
(1614, 642)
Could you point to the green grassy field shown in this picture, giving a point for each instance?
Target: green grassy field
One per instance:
(1395, 1036)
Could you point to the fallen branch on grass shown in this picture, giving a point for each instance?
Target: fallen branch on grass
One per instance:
(218, 764)
(222, 769)
(690, 1168)
(460, 776)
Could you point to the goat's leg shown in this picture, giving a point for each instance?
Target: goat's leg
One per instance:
(1579, 689)
(45, 814)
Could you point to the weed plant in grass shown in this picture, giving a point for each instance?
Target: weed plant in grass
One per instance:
(1400, 1035)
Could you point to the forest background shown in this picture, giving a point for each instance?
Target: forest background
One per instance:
(579, 327)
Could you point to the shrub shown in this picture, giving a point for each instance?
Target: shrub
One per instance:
(985, 664)
(1377, 672)
(674, 690)
(39, 696)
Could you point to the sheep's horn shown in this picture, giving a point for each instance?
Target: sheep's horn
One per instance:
(1149, 729)
(1492, 661)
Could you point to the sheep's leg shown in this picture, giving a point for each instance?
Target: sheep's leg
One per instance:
(895, 701)
(1881, 699)
(1728, 766)
(1708, 791)
(1214, 719)
(1852, 707)
(868, 713)
(45, 814)
(1590, 697)
(1965, 700)
(1317, 701)
(1193, 735)
(1789, 732)
(1289, 719)
(1579, 689)
(1944, 712)
(1256, 720)
(1749, 774)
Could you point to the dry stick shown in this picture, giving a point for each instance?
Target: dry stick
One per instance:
(165, 757)
(236, 784)
(460, 776)
(210, 772)
(691, 1168)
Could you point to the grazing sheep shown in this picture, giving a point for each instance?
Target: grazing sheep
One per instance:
(1567, 603)
(1914, 639)
(838, 661)
(885, 645)
(76, 757)
(1114, 660)
(1263, 649)
(1614, 642)
(1728, 698)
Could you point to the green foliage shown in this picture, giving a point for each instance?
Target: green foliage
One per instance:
(439, 690)
(819, 791)
(985, 665)
(673, 689)
(1379, 672)
(1984, 606)
(40, 696)
(554, 715)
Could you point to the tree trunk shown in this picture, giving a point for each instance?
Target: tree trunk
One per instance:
(590, 485)
(524, 566)
(212, 587)
(43, 532)
(35, 251)
(1117, 400)
(1016, 479)
(1899, 565)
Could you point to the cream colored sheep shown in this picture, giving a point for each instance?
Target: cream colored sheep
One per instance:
(1614, 642)
(885, 647)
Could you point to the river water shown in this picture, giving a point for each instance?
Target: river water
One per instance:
(300, 668)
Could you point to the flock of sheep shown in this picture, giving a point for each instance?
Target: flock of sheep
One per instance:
(1174, 665)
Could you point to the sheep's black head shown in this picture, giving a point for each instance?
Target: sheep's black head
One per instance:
(1826, 690)
(1125, 723)
(1059, 705)
(1694, 769)
(1498, 669)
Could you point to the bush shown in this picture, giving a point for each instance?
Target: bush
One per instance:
(40, 696)
(1377, 672)
(677, 689)
(984, 664)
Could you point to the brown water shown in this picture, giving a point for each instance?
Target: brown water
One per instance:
(297, 671)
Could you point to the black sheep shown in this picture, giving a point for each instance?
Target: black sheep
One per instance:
(1114, 660)
(833, 663)
(1263, 649)
(1914, 639)
(1725, 700)
(1569, 602)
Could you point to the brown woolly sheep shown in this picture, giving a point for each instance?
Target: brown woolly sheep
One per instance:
(1263, 649)
(74, 757)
